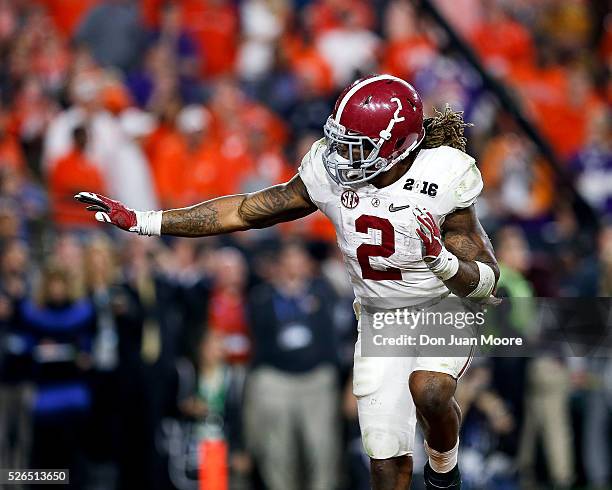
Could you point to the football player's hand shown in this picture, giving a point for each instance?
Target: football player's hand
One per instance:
(429, 233)
(110, 211)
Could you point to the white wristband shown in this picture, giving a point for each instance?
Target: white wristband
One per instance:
(486, 282)
(445, 265)
(148, 222)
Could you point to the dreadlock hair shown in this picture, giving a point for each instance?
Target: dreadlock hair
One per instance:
(445, 128)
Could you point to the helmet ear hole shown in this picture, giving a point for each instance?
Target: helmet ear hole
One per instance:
(399, 143)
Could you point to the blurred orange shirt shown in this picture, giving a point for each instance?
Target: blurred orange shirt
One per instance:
(207, 174)
(506, 41)
(312, 68)
(403, 57)
(71, 174)
(166, 150)
(323, 16)
(11, 154)
(215, 28)
(183, 176)
(257, 117)
(546, 93)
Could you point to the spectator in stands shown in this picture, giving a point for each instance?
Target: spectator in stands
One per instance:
(67, 252)
(227, 309)
(15, 361)
(515, 317)
(486, 422)
(214, 25)
(173, 35)
(21, 202)
(132, 177)
(32, 110)
(513, 255)
(592, 165)
(204, 174)
(597, 422)
(113, 32)
(500, 40)
(605, 257)
(409, 48)
(358, 464)
(148, 322)
(215, 403)
(361, 58)
(11, 154)
(292, 391)
(85, 91)
(547, 417)
(269, 166)
(598, 413)
(517, 183)
(70, 173)
(59, 324)
(263, 23)
(104, 421)
(184, 264)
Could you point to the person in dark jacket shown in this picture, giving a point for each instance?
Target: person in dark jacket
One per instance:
(58, 325)
(15, 365)
(292, 392)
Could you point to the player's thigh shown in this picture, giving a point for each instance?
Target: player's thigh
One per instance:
(387, 416)
(449, 348)
(455, 367)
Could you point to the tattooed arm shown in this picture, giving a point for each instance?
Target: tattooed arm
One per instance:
(464, 236)
(284, 202)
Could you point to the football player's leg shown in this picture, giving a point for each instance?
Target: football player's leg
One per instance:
(391, 473)
(439, 414)
(437, 411)
(386, 418)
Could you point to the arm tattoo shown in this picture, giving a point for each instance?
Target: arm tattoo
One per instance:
(199, 220)
(276, 204)
(226, 214)
(464, 237)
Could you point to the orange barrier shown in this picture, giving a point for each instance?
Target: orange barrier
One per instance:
(213, 471)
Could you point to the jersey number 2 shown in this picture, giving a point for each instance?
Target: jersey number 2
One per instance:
(386, 249)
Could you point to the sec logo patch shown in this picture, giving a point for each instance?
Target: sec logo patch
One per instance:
(349, 199)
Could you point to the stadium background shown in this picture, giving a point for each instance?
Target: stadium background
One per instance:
(158, 341)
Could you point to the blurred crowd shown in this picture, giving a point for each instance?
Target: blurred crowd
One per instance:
(120, 354)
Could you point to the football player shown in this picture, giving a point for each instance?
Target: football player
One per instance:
(400, 191)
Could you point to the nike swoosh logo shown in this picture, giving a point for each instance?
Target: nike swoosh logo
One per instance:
(393, 208)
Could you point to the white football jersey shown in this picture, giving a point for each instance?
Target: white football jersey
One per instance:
(376, 228)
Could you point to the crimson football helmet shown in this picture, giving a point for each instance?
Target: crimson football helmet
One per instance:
(376, 122)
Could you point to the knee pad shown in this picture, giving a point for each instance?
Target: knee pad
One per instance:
(381, 443)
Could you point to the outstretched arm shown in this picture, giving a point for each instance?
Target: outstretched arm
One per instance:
(284, 202)
(461, 253)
